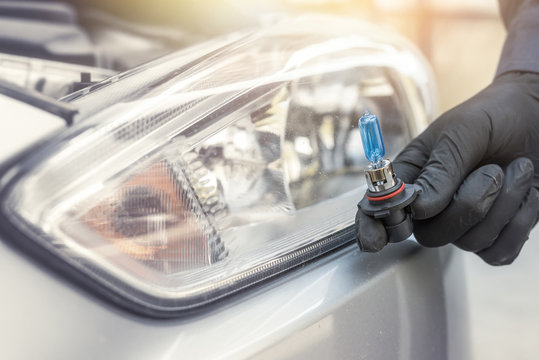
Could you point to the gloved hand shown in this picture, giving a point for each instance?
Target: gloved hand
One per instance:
(475, 170)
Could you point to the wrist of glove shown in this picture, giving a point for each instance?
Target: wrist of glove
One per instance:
(477, 168)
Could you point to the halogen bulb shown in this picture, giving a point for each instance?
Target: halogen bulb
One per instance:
(371, 137)
(387, 198)
(379, 174)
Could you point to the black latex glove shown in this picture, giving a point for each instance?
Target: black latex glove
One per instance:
(475, 169)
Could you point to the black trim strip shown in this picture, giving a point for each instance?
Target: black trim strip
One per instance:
(64, 110)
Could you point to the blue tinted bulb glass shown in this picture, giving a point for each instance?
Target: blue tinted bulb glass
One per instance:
(371, 136)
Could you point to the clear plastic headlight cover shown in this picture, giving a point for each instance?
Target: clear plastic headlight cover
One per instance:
(217, 167)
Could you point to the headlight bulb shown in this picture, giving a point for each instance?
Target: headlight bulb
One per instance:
(371, 136)
(387, 197)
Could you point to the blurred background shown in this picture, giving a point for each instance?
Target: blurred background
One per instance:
(461, 39)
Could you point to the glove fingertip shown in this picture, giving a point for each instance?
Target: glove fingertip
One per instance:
(508, 245)
(371, 235)
(525, 165)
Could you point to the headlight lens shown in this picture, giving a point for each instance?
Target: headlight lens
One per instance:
(212, 169)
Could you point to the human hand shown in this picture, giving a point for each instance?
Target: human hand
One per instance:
(474, 167)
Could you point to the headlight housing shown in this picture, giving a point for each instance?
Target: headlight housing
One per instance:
(217, 167)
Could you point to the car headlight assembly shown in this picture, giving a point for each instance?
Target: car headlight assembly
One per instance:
(212, 169)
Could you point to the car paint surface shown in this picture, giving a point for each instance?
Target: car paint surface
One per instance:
(391, 305)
